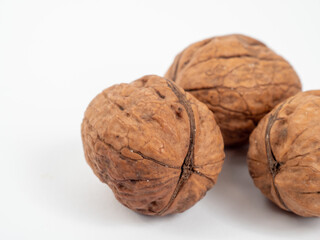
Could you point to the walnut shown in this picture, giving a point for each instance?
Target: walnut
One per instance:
(239, 78)
(284, 154)
(157, 147)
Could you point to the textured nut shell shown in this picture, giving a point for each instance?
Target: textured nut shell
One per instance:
(284, 154)
(137, 139)
(239, 78)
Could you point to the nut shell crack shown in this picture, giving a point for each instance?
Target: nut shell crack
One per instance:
(187, 166)
(274, 165)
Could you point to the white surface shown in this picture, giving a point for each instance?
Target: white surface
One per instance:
(55, 56)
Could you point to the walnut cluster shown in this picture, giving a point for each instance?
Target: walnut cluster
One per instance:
(284, 154)
(157, 147)
(239, 78)
(157, 141)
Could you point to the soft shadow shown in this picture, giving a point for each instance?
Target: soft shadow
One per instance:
(63, 183)
(244, 204)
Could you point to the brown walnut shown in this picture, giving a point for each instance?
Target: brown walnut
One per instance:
(284, 154)
(239, 78)
(157, 147)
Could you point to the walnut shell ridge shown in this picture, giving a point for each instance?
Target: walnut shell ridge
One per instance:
(284, 154)
(239, 78)
(157, 147)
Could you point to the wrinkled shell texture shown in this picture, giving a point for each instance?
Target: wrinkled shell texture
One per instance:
(157, 147)
(239, 78)
(284, 154)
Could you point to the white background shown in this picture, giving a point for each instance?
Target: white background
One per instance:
(55, 56)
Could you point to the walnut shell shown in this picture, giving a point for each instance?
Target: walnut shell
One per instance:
(157, 147)
(284, 154)
(239, 78)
